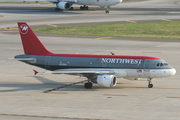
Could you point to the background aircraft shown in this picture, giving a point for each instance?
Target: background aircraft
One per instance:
(100, 69)
(67, 4)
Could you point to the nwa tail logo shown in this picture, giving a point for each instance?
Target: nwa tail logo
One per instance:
(23, 29)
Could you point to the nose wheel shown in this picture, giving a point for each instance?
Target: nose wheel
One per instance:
(150, 83)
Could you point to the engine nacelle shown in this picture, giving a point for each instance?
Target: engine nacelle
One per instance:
(106, 80)
(64, 5)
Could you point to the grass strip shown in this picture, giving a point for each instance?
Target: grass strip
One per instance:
(163, 30)
(1, 1)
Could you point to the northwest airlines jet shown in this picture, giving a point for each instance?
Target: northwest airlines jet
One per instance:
(100, 69)
(67, 4)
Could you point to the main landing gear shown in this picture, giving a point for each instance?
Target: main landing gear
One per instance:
(88, 85)
(150, 82)
(84, 7)
(57, 9)
(71, 8)
(107, 9)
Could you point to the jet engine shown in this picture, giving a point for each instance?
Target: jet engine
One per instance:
(106, 80)
(64, 5)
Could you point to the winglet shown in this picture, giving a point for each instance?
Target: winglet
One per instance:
(35, 72)
(112, 53)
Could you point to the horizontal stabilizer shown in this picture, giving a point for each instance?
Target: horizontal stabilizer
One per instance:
(32, 60)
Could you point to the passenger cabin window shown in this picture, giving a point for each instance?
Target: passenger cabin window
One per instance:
(158, 64)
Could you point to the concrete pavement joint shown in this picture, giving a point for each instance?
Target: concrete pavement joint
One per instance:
(113, 95)
(18, 115)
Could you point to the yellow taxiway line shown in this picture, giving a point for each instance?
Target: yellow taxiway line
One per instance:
(1, 16)
(176, 2)
(172, 97)
(130, 21)
(103, 38)
(52, 25)
(166, 20)
(9, 31)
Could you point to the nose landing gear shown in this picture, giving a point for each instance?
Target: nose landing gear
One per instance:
(150, 83)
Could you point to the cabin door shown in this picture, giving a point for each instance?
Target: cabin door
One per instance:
(47, 60)
(146, 68)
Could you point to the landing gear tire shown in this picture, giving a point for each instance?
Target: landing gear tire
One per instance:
(107, 11)
(84, 7)
(150, 83)
(88, 85)
(150, 86)
(57, 9)
(71, 8)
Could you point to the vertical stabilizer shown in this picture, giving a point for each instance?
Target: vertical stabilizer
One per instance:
(31, 44)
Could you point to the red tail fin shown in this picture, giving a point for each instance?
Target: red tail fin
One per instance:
(31, 44)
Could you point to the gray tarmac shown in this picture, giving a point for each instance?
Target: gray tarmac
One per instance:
(23, 95)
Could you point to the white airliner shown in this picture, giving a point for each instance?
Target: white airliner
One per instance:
(100, 69)
(67, 4)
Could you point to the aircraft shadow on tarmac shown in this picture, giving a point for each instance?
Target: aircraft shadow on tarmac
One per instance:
(48, 85)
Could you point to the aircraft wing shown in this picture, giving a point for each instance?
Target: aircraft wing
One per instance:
(82, 71)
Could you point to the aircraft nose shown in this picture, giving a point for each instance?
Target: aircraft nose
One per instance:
(172, 72)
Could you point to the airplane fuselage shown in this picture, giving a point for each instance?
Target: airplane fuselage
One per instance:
(132, 67)
(101, 3)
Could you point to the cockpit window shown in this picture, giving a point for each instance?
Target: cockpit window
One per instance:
(162, 64)
(165, 64)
